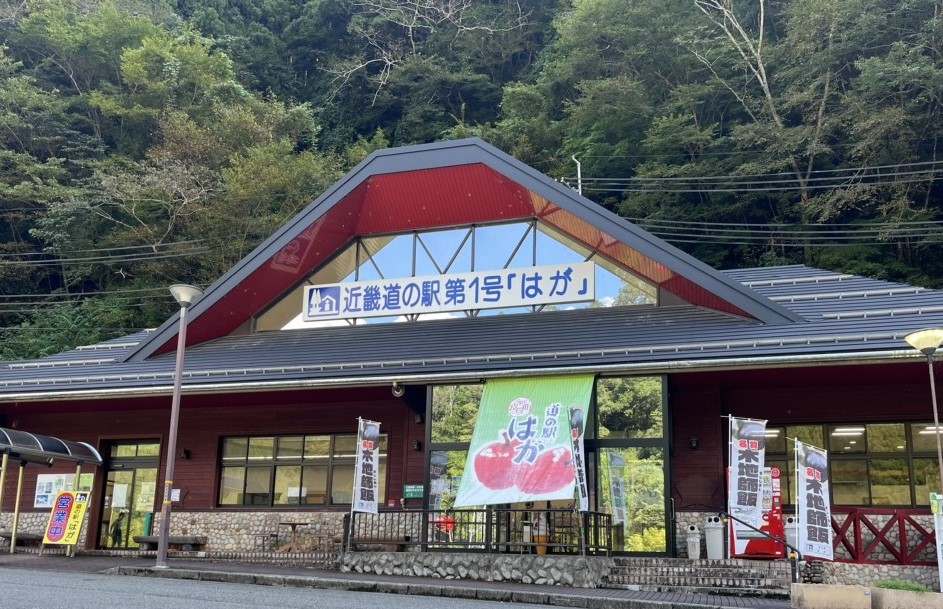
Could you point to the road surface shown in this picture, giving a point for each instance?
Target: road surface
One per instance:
(40, 589)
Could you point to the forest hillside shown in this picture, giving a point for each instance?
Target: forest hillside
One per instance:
(150, 142)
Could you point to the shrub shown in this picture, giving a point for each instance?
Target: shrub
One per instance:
(896, 584)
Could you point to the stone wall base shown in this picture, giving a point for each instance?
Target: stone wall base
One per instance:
(868, 575)
(226, 531)
(838, 573)
(573, 571)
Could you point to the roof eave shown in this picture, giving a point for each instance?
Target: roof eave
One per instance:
(848, 358)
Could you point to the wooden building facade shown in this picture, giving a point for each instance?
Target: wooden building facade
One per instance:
(270, 399)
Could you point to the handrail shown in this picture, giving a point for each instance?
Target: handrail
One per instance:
(798, 554)
(484, 530)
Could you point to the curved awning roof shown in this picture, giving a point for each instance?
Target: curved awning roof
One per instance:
(34, 447)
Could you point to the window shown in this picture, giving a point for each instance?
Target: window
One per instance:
(461, 250)
(454, 412)
(626, 448)
(131, 450)
(871, 464)
(291, 470)
(630, 407)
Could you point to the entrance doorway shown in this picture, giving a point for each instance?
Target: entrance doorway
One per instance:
(130, 492)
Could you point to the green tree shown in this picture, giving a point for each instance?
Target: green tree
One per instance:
(630, 407)
(454, 412)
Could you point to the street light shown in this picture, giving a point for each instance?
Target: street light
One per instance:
(927, 342)
(184, 295)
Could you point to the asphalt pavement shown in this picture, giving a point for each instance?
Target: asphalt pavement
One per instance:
(302, 577)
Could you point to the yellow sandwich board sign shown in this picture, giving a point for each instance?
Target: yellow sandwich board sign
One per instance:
(65, 521)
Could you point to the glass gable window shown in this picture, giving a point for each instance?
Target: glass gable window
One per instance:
(291, 470)
(871, 464)
(460, 250)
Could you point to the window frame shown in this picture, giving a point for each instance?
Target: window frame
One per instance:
(330, 461)
(594, 445)
(909, 455)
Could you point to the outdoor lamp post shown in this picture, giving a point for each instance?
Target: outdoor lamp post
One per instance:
(927, 342)
(184, 295)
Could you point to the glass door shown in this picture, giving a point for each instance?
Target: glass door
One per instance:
(130, 494)
(628, 462)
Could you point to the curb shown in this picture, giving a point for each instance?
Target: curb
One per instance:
(552, 598)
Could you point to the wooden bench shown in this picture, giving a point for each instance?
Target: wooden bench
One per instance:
(22, 538)
(389, 543)
(187, 543)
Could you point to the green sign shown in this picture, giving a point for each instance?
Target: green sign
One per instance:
(521, 448)
(412, 491)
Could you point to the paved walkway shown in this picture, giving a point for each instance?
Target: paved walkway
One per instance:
(275, 575)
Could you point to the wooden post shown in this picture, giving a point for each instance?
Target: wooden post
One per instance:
(16, 506)
(3, 477)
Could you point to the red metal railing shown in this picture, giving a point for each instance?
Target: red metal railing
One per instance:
(876, 536)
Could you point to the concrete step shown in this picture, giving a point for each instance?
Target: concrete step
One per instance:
(734, 577)
(679, 570)
(765, 565)
(718, 591)
(695, 580)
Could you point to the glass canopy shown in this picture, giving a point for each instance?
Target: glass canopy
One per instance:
(44, 449)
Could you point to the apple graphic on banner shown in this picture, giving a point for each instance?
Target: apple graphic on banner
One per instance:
(494, 464)
(550, 472)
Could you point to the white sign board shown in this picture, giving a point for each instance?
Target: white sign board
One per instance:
(936, 506)
(50, 485)
(501, 289)
(119, 496)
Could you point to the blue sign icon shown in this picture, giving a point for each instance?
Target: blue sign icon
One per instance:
(323, 301)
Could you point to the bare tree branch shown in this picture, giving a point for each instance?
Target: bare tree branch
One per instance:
(12, 10)
(155, 197)
(394, 30)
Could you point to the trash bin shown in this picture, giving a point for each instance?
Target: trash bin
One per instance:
(714, 537)
(693, 537)
(792, 532)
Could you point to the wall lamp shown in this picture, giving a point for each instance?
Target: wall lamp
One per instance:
(693, 442)
(417, 446)
(184, 453)
(398, 390)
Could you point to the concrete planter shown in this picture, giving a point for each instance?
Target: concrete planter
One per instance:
(884, 598)
(824, 596)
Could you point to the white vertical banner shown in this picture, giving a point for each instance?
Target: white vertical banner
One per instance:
(813, 505)
(936, 506)
(617, 486)
(367, 468)
(747, 460)
(576, 420)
